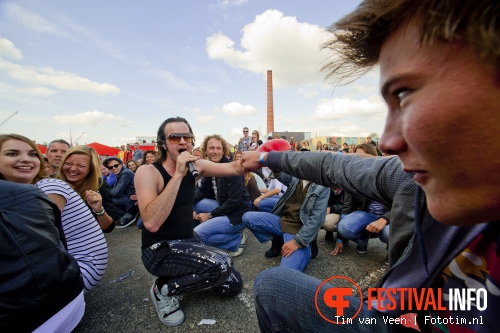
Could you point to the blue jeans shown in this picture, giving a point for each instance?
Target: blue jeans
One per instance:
(267, 204)
(266, 226)
(285, 302)
(217, 231)
(353, 226)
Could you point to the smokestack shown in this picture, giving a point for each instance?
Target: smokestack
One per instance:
(270, 109)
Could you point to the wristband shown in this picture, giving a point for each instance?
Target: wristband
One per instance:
(101, 213)
(261, 160)
(339, 240)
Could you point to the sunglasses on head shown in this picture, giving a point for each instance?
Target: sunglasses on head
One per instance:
(176, 137)
(111, 167)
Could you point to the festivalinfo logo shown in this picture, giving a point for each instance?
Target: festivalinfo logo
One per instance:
(336, 300)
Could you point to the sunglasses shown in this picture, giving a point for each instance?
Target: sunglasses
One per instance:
(111, 167)
(176, 138)
(245, 131)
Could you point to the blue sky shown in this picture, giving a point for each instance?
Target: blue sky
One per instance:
(114, 70)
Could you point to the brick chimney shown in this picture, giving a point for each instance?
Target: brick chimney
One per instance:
(270, 109)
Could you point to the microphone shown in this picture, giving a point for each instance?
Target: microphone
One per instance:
(192, 169)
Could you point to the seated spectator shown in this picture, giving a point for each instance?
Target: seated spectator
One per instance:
(41, 287)
(266, 201)
(333, 211)
(198, 152)
(293, 223)
(85, 240)
(55, 151)
(48, 170)
(124, 185)
(107, 176)
(220, 202)
(149, 157)
(366, 215)
(79, 168)
(132, 165)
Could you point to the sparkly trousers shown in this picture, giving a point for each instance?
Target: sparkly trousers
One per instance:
(188, 265)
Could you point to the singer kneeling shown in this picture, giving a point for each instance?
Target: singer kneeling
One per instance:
(220, 203)
(170, 248)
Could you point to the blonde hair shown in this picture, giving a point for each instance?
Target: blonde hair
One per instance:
(41, 172)
(93, 179)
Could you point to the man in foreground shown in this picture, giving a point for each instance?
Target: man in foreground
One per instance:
(439, 75)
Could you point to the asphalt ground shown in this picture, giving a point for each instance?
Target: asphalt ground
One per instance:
(126, 306)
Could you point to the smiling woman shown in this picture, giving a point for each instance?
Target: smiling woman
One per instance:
(80, 168)
(20, 159)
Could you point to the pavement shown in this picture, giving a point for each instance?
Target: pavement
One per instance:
(126, 306)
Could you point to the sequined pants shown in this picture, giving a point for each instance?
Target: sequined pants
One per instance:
(188, 265)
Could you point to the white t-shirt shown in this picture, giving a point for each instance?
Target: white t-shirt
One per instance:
(274, 183)
(86, 242)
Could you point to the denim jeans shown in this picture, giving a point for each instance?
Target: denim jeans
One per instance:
(353, 226)
(285, 302)
(267, 204)
(217, 231)
(266, 226)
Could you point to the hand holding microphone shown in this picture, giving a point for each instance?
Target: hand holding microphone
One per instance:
(192, 169)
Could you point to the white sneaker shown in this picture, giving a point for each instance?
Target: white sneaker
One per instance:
(236, 253)
(243, 239)
(167, 307)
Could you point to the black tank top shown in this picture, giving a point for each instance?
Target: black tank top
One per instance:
(179, 224)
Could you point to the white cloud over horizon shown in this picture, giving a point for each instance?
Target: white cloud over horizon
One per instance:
(88, 118)
(276, 42)
(235, 109)
(56, 78)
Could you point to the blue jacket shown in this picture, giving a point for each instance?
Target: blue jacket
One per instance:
(124, 185)
(312, 212)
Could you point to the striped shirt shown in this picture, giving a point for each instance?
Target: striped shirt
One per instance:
(86, 242)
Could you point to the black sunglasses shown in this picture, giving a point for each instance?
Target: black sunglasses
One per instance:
(111, 167)
(245, 131)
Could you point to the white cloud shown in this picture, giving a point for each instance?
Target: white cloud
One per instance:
(32, 20)
(88, 118)
(274, 42)
(9, 50)
(59, 79)
(11, 91)
(237, 109)
(340, 108)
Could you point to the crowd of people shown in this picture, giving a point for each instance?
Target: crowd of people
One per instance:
(436, 209)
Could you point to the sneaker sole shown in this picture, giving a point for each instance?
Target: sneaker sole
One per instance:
(162, 320)
(126, 225)
(243, 239)
(236, 253)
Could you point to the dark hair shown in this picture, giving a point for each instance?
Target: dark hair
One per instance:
(58, 141)
(160, 136)
(112, 158)
(368, 147)
(146, 154)
(357, 37)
